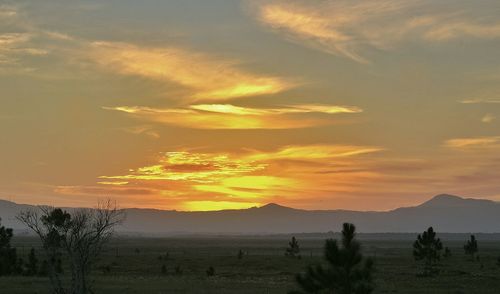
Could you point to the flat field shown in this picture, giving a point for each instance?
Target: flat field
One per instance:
(134, 265)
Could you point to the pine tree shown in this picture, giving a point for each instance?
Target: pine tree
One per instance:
(470, 246)
(241, 254)
(428, 248)
(447, 252)
(293, 249)
(8, 255)
(164, 270)
(347, 272)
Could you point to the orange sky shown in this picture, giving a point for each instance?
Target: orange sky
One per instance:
(205, 105)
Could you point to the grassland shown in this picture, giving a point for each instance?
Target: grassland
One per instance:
(135, 266)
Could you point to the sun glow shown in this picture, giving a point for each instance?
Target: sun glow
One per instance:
(217, 205)
(210, 181)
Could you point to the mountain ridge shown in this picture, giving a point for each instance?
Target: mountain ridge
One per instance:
(447, 213)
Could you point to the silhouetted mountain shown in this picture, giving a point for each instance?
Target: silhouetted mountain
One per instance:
(446, 213)
(273, 207)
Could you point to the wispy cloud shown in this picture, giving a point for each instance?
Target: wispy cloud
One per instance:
(487, 118)
(314, 152)
(443, 31)
(480, 101)
(301, 108)
(143, 130)
(227, 116)
(209, 77)
(15, 45)
(7, 11)
(346, 28)
(475, 142)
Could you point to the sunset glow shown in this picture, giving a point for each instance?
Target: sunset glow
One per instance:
(366, 105)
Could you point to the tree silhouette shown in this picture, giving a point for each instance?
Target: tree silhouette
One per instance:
(178, 270)
(293, 249)
(210, 271)
(8, 255)
(428, 248)
(44, 269)
(241, 254)
(470, 246)
(347, 272)
(447, 252)
(105, 269)
(81, 235)
(32, 266)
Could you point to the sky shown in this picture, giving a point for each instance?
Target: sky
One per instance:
(226, 104)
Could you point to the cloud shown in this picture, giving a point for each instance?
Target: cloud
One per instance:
(143, 130)
(248, 177)
(487, 118)
(96, 190)
(227, 116)
(458, 28)
(193, 167)
(480, 101)
(476, 142)
(209, 77)
(314, 152)
(311, 108)
(7, 12)
(13, 45)
(113, 183)
(345, 28)
(343, 176)
(18, 39)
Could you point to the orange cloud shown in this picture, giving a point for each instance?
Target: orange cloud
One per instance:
(227, 116)
(343, 176)
(315, 152)
(210, 78)
(193, 167)
(246, 179)
(477, 142)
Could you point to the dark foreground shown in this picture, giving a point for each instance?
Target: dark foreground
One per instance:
(133, 265)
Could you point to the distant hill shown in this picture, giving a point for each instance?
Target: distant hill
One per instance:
(446, 213)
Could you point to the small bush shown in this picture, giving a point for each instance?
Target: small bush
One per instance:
(178, 270)
(210, 271)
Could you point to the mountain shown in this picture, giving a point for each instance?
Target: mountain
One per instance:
(446, 213)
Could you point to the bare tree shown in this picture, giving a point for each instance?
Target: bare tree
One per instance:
(81, 235)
